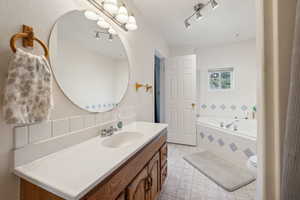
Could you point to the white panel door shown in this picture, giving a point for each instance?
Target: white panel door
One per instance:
(181, 99)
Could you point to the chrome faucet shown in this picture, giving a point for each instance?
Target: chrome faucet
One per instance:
(230, 124)
(222, 124)
(108, 131)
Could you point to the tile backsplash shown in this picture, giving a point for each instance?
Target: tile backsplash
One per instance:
(26, 135)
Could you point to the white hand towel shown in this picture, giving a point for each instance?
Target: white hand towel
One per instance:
(28, 90)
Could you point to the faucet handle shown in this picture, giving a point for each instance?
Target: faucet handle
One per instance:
(235, 127)
(103, 132)
(222, 124)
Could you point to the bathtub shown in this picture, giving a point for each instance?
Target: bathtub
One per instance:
(245, 128)
(237, 143)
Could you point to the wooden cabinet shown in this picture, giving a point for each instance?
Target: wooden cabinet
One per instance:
(146, 186)
(164, 174)
(139, 188)
(140, 178)
(163, 155)
(122, 196)
(154, 177)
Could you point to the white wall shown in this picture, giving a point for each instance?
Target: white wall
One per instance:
(182, 51)
(242, 57)
(42, 15)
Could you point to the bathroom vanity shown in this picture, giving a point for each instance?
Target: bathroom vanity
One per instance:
(109, 168)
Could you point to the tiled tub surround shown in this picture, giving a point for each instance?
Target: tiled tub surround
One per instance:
(58, 172)
(226, 110)
(236, 146)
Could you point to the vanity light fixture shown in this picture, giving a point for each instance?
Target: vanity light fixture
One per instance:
(91, 15)
(197, 11)
(102, 23)
(116, 12)
(131, 24)
(110, 6)
(112, 31)
(122, 15)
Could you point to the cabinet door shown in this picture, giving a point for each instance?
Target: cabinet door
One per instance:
(164, 174)
(121, 197)
(138, 189)
(163, 155)
(154, 177)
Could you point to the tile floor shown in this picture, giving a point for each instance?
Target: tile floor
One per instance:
(186, 183)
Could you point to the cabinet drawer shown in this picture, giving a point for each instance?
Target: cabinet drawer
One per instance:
(163, 155)
(164, 174)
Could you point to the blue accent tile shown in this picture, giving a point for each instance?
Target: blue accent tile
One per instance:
(244, 108)
(221, 142)
(233, 107)
(211, 138)
(233, 147)
(248, 152)
(223, 107)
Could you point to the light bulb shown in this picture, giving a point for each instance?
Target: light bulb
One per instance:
(91, 15)
(187, 24)
(112, 31)
(131, 24)
(111, 6)
(214, 4)
(122, 15)
(199, 15)
(102, 23)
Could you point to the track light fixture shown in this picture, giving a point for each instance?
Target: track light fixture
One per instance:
(197, 11)
(214, 4)
(199, 15)
(187, 24)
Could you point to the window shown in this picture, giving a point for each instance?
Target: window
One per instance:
(220, 79)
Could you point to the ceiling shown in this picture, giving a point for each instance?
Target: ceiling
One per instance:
(232, 21)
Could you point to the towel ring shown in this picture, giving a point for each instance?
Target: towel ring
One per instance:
(28, 38)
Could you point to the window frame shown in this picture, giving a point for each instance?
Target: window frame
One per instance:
(220, 70)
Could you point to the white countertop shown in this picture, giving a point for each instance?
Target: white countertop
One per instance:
(74, 171)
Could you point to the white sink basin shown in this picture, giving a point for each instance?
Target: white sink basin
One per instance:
(122, 139)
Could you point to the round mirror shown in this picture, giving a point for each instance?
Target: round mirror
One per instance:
(90, 65)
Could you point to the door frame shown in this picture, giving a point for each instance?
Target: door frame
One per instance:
(273, 27)
(162, 59)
